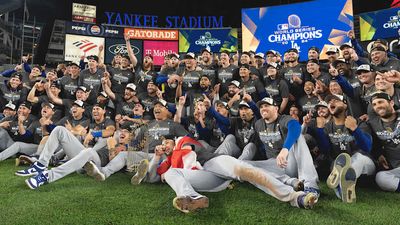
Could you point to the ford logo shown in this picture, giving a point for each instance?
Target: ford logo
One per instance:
(122, 49)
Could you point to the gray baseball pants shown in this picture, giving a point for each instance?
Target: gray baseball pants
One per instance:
(186, 182)
(6, 140)
(18, 147)
(362, 164)
(388, 180)
(300, 165)
(217, 174)
(122, 159)
(74, 164)
(229, 147)
(60, 137)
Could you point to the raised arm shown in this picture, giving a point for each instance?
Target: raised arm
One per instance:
(179, 108)
(31, 96)
(55, 99)
(132, 56)
(106, 87)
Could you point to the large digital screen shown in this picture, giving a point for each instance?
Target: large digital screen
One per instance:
(380, 24)
(159, 49)
(320, 23)
(217, 40)
(77, 46)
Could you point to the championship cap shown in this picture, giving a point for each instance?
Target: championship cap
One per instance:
(266, 100)
(11, 106)
(131, 86)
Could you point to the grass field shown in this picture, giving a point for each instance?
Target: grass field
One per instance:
(78, 199)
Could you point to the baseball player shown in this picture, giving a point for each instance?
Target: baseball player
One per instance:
(32, 134)
(348, 142)
(101, 129)
(154, 132)
(98, 157)
(386, 129)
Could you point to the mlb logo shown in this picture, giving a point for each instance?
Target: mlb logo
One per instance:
(284, 26)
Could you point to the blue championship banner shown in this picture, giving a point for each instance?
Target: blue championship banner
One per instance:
(320, 23)
(93, 30)
(193, 40)
(380, 24)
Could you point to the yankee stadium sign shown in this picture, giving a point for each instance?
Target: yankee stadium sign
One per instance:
(137, 20)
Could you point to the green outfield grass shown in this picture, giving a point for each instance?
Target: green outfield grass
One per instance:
(78, 199)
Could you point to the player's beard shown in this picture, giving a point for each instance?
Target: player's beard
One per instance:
(338, 111)
(388, 113)
(204, 88)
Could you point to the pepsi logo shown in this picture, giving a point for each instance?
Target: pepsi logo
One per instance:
(95, 29)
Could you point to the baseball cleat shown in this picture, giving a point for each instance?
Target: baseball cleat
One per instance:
(141, 172)
(315, 191)
(93, 171)
(347, 184)
(38, 180)
(342, 162)
(307, 200)
(187, 204)
(34, 169)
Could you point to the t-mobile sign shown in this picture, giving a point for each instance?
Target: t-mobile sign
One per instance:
(159, 49)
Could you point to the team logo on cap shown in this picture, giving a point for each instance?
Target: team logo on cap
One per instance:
(131, 86)
(236, 83)
(11, 106)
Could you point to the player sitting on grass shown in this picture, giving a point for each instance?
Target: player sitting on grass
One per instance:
(99, 157)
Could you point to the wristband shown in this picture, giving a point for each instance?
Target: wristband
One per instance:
(97, 133)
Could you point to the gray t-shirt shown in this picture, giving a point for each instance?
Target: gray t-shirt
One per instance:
(36, 130)
(190, 79)
(277, 89)
(93, 126)
(68, 87)
(91, 81)
(390, 64)
(156, 130)
(254, 88)
(210, 70)
(342, 139)
(388, 137)
(120, 78)
(308, 103)
(225, 75)
(288, 73)
(104, 155)
(13, 129)
(325, 78)
(273, 135)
